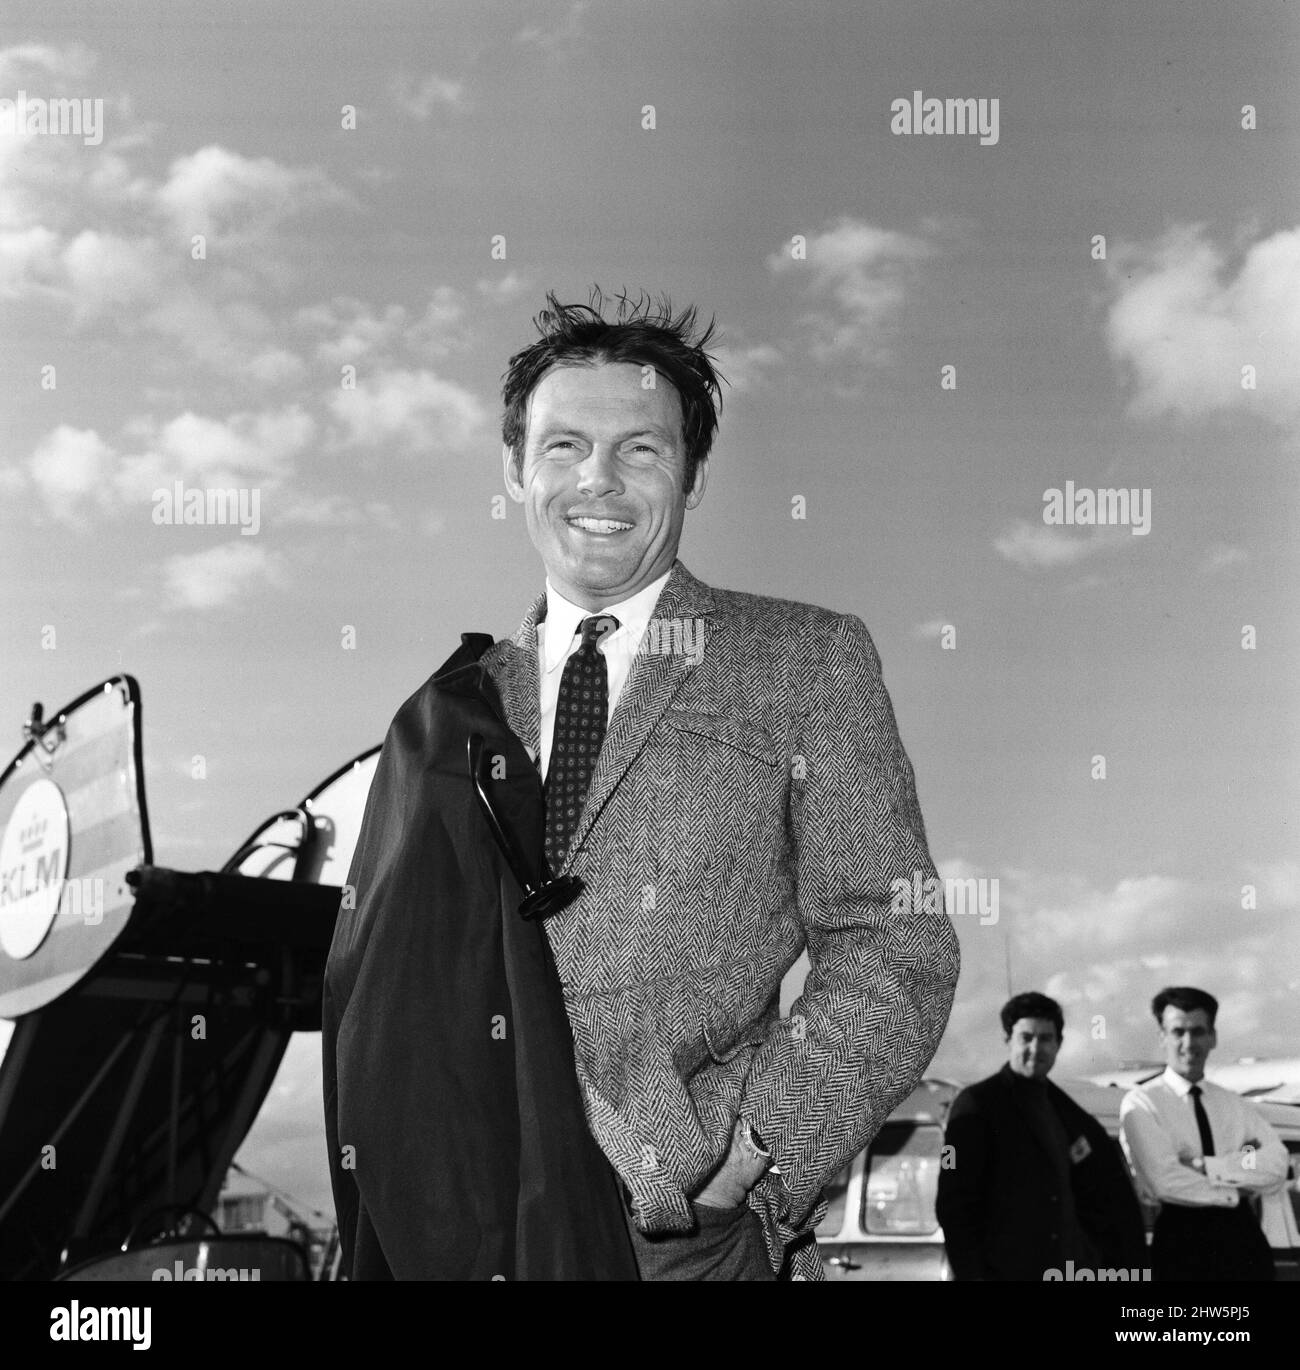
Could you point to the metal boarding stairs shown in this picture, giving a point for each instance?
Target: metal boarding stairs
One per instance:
(152, 1006)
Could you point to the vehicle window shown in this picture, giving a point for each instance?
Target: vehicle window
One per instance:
(902, 1181)
(836, 1195)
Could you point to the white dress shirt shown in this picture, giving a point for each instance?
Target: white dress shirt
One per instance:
(557, 640)
(1157, 1124)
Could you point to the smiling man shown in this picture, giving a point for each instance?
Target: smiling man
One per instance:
(602, 478)
(724, 808)
(714, 782)
(1200, 1151)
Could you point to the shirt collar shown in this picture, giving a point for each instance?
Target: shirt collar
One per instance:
(558, 629)
(1180, 1086)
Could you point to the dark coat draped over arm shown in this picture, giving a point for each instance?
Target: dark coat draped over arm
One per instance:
(458, 1147)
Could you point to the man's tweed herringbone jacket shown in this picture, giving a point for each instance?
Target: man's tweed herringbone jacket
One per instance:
(745, 805)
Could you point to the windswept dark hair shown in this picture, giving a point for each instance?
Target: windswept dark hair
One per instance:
(1184, 997)
(643, 331)
(1032, 1005)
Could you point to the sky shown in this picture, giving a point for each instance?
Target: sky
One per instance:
(923, 334)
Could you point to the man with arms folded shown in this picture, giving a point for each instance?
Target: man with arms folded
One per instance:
(1200, 1151)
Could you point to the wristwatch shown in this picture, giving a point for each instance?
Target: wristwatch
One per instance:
(754, 1144)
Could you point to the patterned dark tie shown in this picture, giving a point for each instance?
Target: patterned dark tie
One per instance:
(1202, 1122)
(580, 710)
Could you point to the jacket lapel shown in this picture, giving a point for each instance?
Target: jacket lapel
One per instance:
(512, 664)
(654, 679)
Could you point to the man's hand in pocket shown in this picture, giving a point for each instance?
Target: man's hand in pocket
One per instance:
(740, 1171)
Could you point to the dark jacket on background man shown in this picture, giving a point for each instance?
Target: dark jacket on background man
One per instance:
(1033, 1182)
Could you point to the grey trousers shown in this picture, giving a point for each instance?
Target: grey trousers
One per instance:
(725, 1244)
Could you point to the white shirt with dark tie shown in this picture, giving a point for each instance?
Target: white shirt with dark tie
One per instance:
(557, 640)
(1159, 1133)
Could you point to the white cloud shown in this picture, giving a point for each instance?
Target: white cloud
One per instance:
(20, 63)
(746, 367)
(1146, 906)
(42, 179)
(332, 511)
(930, 630)
(232, 336)
(349, 332)
(276, 367)
(215, 577)
(561, 38)
(1103, 950)
(435, 332)
(100, 239)
(102, 270)
(1036, 546)
(1185, 329)
(1221, 556)
(432, 523)
(335, 511)
(242, 451)
(252, 444)
(319, 511)
(502, 289)
(434, 92)
(73, 468)
(420, 410)
(29, 261)
(1278, 884)
(68, 466)
(216, 190)
(862, 272)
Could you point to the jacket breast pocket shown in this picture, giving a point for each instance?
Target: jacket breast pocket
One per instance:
(725, 731)
(723, 806)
